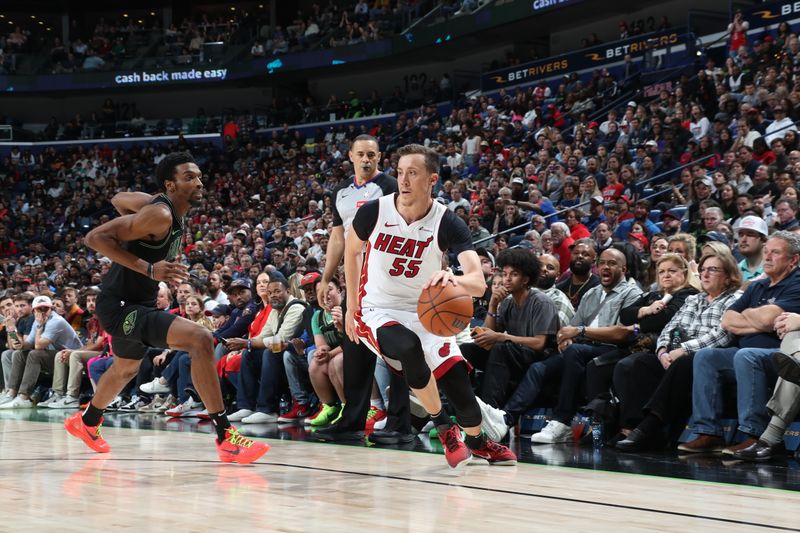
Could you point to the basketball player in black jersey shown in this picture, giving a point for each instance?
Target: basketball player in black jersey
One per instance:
(145, 246)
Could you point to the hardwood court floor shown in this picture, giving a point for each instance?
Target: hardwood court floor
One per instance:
(155, 480)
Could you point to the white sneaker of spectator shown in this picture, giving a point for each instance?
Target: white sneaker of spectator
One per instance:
(55, 397)
(187, 409)
(416, 408)
(153, 405)
(67, 402)
(494, 421)
(5, 398)
(239, 415)
(155, 387)
(17, 403)
(553, 433)
(258, 418)
(169, 403)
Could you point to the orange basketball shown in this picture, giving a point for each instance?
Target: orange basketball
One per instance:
(444, 310)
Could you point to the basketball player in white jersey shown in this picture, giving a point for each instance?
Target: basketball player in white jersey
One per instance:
(403, 237)
(367, 183)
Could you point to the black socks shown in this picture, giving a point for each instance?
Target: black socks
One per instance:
(221, 424)
(477, 442)
(442, 421)
(92, 415)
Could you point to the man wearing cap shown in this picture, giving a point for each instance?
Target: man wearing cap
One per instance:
(69, 364)
(641, 214)
(262, 368)
(778, 128)
(242, 314)
(752, 234)
(319, 247)
(596, 213)
(671, 222)
(49, 333)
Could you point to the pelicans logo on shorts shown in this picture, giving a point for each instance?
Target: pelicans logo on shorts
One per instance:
(129, 323)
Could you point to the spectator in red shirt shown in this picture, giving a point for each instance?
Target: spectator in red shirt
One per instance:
(576, 229)
(231, 130)
(562, 243)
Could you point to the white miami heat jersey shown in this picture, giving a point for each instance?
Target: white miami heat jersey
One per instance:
(400, 258)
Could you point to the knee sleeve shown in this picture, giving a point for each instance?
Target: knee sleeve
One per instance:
(400, 343)
(456, 386)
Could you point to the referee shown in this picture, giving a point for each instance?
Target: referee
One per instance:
(367, 184)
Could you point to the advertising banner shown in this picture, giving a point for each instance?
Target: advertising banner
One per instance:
(596, 56)
(771, 13)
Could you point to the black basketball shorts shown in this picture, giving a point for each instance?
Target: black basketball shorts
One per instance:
(134, 328)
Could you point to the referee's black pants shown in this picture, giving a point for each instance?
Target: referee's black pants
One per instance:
(359, 372)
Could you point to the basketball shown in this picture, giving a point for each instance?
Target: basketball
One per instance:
(444, 310)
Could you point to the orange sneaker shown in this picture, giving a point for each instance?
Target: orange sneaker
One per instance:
(238, 449)
(90, 435)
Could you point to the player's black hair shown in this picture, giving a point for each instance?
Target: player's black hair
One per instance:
(520, 259)
(165, 171)
(430, 155)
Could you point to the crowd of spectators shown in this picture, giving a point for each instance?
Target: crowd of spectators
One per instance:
(203, 37)
(632, 28)
(664, 233)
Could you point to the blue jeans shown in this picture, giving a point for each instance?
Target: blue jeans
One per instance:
(527, 392)
(261, 379)
(382, 379)
(752, 370)
(573, 379)
(179, 374)
(297, 374)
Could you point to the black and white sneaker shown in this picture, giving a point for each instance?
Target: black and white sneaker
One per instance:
(116, 405)
(134, 404)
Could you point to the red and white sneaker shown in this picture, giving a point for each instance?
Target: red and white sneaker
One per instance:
(311, 418)
(374, 415)
(496, 454)
(89, 435)
(298, 412)
(455, 451)
(238, 449)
